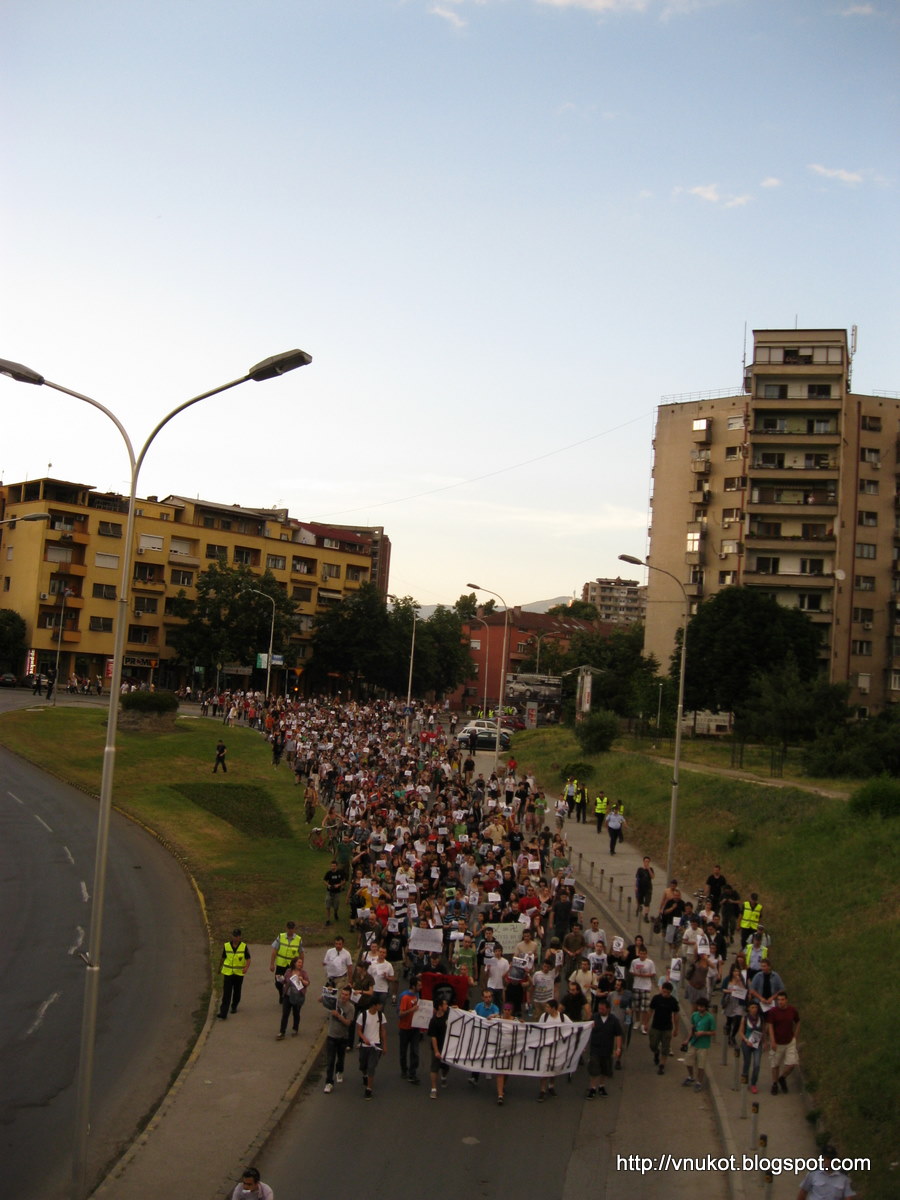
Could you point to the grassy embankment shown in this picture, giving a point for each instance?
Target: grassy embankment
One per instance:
(828, 882)
(242, 835)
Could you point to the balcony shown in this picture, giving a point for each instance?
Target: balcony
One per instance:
(700, 466)
(704, 495)
(179, 559)
(808, 497)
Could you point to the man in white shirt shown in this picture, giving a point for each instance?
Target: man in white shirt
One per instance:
(828, 1182)
(383, 973)
(594, 934)
(496, 970)
(338, 963)
(643, 972)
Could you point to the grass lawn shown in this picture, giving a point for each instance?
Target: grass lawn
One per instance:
(242, 835)
(831, 899)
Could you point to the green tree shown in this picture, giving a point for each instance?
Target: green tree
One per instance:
(784, 709)
(467, 606)
(353, 641)
(739, 633)
(12, 640)
(447, 651)
(228, 622)
(579, 610)
(597, 732)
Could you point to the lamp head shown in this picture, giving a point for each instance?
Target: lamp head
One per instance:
(19, 373)
(635, 562)
(279, 364)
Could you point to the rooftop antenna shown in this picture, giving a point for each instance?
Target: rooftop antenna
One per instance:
(744, 359)
(852, 353)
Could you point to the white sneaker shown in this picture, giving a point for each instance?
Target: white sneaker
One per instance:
(339, 1077)
(329, 1087)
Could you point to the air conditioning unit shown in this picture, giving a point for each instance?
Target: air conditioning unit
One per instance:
(140, 550)
(44, 596)
(867, 625)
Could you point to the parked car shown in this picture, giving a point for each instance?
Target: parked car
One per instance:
(7, 679)
(487, 735)
(513, 723)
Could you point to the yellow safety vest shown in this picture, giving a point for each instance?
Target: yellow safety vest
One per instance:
(750, 916)
(287, 949)
(235, 959)
(600, 805)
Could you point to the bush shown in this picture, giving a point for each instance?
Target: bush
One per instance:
(150, 702)
(581, 771)
(597, 732)
(878, 797)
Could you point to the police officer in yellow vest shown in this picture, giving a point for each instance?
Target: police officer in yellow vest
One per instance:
(600, 806)
(750, 915)
(285, 949)
(235, 963)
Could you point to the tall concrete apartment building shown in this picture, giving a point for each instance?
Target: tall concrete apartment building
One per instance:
(791, 486)
(62, 575)
(618, 601)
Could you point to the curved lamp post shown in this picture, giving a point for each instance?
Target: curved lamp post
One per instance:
(676, 760)
(487, 655)
(269, 368)
(477, 588)
(271, 600)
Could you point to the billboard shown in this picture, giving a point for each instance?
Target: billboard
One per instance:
(533, 687)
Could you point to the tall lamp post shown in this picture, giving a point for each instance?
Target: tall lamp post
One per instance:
(477, 588)
(676, 761)
(271, 600)
(269, 368)
(487, 655)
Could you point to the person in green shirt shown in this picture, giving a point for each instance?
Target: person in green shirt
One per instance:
(703, 1026)
(466, 957)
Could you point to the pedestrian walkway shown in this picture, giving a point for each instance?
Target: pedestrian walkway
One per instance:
(645, 1124)
(231, 1094)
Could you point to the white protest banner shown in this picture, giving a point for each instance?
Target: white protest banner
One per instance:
(508, 934)
(513, 1047)
(426, 939)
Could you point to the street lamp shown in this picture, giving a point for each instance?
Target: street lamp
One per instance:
(539, 637)
(487, 657)
(27, 517)
(477, 588)
(271, 600)
(269, 368)
(676, 761)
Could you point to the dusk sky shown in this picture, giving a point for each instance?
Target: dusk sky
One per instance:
(504, 229)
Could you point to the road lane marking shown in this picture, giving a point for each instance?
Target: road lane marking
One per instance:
(68, 854)
(42, 822)
(84, 892)
(16, 798)
(79, 938)
(42, 1012)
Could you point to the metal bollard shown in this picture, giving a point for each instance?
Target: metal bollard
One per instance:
(612, 880)
(628, 911)
(621, 891)
(768, 1181)
(725, 1049)
(592, 871)
(754, 1126)
(745, 1091)
(579, 862)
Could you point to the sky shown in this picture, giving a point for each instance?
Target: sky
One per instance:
(504, 230)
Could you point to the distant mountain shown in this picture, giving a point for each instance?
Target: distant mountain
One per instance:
(537, 606)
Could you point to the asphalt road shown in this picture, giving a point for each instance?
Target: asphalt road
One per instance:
(404, 1145)
(154, 973)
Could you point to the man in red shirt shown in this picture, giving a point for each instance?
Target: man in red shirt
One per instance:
(782, 1022)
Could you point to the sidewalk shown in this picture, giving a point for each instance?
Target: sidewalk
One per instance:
(608, 883)
(232, 1092)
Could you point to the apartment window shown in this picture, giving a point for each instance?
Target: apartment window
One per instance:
(145, 573)
(181, 546)
(867, 518)
(813, 531)
(732, 452)
(182, 578)
(109, 529)
(331, 543)
(60, 554)
(863, 682)
(208, 523)
(735, 483)
(727, 578)
(145, 604)
(243, 556)
(331, 571)
(864, 583)
(150, 541)
(729, 546)
(100, 624)
(820, 425)
(767, 564)
(141, 634)
(6, 583)
(474, 643)
(872, 424)
(771, 460)
(111, 561)
(865, 550)
(300, 651)
(521, 648)
(775, 391)
(301, 593)
(225, 523)
(863, 614)
(303, 566)
(868, 487)
(895, 681)
(692, 544)
(735, 422)
(817, 462)
(356, 573)
(731, 514)
(870, 455)
(214, 551)
(769, 529)
(276, 562)
(170, 607)
(818, 391)
(810, 601)
(104, 591)
(774, 425)
(861, 647)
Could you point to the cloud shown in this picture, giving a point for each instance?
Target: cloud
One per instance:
(668, 8)
(770, 182)
(836, 173)
(706, 191)
(449, 15)
(738, 201)
(859, 10)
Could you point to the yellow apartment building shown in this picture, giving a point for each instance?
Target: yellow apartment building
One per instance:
(62, 575)
(791, 486)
